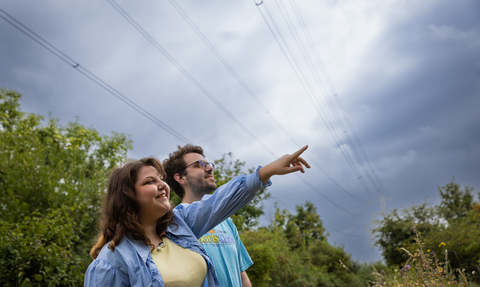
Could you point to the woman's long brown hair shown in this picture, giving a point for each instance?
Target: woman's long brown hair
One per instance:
(120, 208)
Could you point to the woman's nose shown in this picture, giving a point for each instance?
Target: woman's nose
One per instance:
(162, 184)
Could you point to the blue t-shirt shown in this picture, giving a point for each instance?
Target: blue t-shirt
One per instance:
(227, 252)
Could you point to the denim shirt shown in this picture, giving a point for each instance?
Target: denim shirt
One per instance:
(131, 264)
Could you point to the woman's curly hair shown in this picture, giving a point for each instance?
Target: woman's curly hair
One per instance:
(120, 213)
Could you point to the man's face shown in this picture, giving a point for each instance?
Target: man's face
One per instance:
(200, 181)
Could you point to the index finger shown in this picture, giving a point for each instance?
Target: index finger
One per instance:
(304, 162)
(299, 152)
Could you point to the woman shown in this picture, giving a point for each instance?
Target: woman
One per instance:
(143, 242)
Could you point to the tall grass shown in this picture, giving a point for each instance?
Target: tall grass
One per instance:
(423, 268)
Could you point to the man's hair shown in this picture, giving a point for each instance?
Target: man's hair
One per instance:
(120, 210)
(176, 164)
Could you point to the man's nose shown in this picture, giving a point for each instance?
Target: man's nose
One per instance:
(208, 168)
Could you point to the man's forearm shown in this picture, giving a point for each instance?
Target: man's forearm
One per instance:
(245, 279)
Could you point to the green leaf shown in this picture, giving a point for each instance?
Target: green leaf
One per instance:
(52, 180)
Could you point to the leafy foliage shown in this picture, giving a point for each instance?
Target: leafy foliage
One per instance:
(294, 251)
(52, 178)
(452, 225)
(394, 231)
(305, 227)
(422, 268)
(461, 237)
(456, 203)
(40, 251)
(274, 263)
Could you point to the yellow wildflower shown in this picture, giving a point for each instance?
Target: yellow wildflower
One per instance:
(428, 250)
(441, 244)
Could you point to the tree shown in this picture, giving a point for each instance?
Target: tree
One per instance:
(41, 250)
(456, 203)
(394, 231)
(454, 225)
(294, 251)
(461, 238)
(320, 253)
(305, 227)
(52, 179)
(274, 263)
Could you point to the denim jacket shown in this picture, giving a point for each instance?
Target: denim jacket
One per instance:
(131, 264)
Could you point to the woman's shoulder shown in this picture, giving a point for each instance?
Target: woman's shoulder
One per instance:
(107, 269)
(124, 254)
(120, 265)
(111, 256)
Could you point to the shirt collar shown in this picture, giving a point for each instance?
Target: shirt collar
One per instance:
(141, 248)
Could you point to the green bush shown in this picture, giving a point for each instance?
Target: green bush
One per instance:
(52, 179)
(455, 223)
(274, 263)
(40, 250)
(294, 251)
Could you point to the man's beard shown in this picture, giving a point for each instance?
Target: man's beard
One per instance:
(200, 187)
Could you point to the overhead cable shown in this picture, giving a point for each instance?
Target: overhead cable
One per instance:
(62, 56)
(363, 158)
(68, 60)
(188, 75)
(313, 96)
(167, 55)
(310, 92)
(249, 91)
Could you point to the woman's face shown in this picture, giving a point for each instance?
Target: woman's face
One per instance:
(152, 195)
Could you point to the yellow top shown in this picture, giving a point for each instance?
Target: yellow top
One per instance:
(179, 266)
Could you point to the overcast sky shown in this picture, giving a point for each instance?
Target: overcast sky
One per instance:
(407, 75)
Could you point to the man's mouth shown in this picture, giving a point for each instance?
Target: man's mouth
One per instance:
(210, 176)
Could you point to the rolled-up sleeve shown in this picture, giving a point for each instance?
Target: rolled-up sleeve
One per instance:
(201, 216)
(102, 273)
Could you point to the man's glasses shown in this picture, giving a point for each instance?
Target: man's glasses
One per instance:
(201, 163)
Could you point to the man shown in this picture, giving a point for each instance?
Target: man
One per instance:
(191, 177)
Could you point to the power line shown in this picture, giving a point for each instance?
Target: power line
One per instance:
(65, 58)
(305, 83)
(329, 200)
(190, 77)
(308, 60)
(310, 90)
(169, 57)
(360, 212)
(286, 56)
(313, 71)
(248, 90)
(362, 156)
(217, 54)
(61, 55)
(68, 60)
